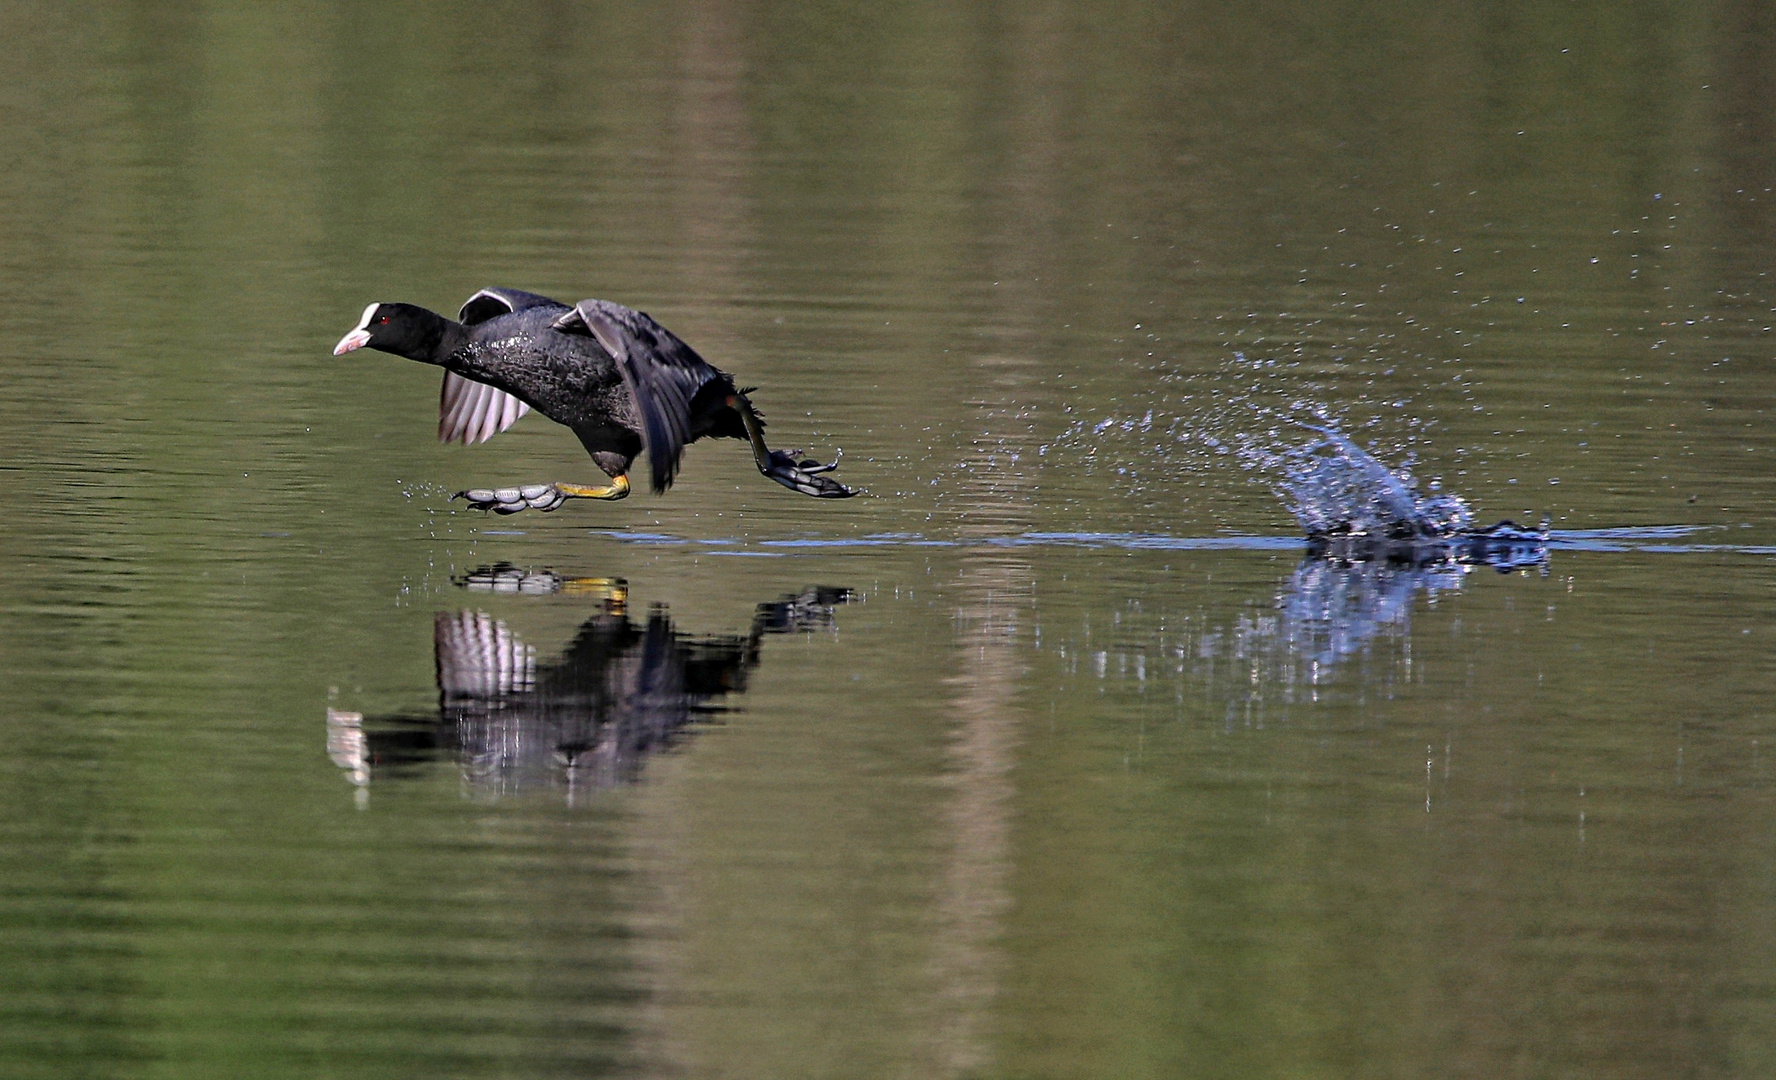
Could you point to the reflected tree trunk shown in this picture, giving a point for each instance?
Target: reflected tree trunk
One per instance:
(711, 149)
(711, 144)
(995, 593)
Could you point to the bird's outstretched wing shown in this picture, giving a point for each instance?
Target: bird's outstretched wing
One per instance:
(662, 372)
(492, 303)
(472, 412)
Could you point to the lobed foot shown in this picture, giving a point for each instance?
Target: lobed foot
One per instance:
(804, 476)
(544, 497)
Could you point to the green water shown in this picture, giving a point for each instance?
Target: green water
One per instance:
(1065, 789)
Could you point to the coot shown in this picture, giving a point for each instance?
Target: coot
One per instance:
(620, 380)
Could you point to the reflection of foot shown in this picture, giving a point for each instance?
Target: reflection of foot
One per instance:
(506, 578)
(804, 476)
(809, 609)
(544, 497)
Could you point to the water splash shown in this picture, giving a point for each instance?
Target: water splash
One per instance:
(1334, 487)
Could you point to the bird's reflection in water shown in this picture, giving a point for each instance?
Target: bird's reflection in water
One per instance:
(621, 690)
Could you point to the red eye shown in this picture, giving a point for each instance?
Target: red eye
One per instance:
(382, 320)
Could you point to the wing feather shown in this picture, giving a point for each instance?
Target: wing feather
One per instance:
(663, 375)
(472, 412)
(492, 303)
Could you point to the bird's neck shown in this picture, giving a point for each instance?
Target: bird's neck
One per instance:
(452, 336)
(433, 339)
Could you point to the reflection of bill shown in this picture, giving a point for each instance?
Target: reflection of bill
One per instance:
(620, 691)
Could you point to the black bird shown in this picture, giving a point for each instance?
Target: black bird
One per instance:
(619, 379)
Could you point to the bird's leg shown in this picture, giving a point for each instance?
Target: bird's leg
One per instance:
(802, 476)
(618, 488)
(544, 497)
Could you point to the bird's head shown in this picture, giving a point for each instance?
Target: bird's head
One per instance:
(403, 329)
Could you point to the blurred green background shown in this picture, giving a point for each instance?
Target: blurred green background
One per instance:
(1030, 807)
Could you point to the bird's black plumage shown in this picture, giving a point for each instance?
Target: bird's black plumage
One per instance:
(621, 381)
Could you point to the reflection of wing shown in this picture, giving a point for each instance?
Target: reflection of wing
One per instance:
(662, 372)
(472, 412)
(479, 657)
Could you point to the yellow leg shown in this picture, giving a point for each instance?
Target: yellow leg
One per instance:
(617, 489)
(544, 497)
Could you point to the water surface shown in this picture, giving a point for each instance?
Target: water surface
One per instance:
(1092, 773)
